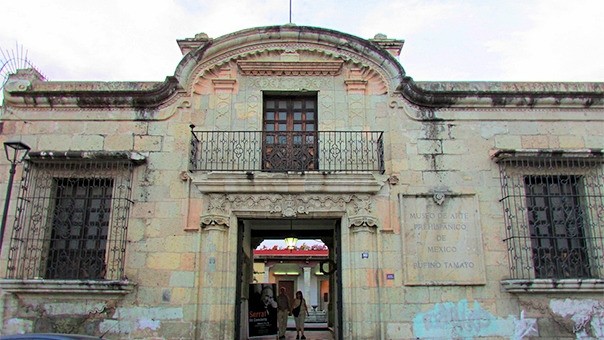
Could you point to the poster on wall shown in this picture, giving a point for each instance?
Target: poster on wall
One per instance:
(262, 310)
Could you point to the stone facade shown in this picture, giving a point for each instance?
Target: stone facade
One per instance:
(419, 246)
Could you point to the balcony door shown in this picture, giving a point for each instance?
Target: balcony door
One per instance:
(289, 133)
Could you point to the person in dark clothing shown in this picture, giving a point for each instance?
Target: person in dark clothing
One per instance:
(300, 311)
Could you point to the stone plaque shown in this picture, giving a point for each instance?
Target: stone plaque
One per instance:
(443, 240)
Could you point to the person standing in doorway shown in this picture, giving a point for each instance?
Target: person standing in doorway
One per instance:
(300, 312)
(283, 312)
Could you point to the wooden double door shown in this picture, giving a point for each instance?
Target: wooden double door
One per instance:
(289, 135)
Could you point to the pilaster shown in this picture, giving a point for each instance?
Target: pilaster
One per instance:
(215, 289)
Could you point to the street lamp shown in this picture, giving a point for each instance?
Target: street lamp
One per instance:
(15, 153)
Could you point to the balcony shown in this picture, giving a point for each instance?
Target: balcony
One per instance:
(297, 151)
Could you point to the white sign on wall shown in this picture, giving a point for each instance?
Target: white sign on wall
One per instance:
(442, 239)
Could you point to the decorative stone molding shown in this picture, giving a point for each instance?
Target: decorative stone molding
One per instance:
(355, 82)
(224, 81)
(224, 85)
(137, 158)
(190, 44)
(27, 90)
(255, 42)
(499, 155)
(218, 213)
(447, 95)
(355, 85)
(361, 215)
(552, 286)
(262, 182)
(290, 55)
(291, 83)
(283, 68)
(288, 195)
(214, 222)
(439, 197)
(362, 228)
(508, 113)
(365, 222)
(98, 288)
(359, 208)
(393, 46)
(287, 205)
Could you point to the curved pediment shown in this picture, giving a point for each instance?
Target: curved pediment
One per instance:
(290, 64)
(288, 51)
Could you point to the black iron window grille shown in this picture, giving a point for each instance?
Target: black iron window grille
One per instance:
(71, 221)
(283, 151)
(554, 217)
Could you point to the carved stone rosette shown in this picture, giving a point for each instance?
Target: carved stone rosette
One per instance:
(359, 208)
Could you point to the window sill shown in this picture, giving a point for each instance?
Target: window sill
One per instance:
(553, 286)
(40, 286)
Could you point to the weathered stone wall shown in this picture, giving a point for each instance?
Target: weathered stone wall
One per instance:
(162, 258)
(402, 278)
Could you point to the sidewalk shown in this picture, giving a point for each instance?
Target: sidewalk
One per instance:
(312, 331)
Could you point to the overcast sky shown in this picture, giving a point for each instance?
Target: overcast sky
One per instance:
(500, 40)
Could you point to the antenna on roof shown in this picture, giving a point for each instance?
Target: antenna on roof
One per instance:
(11, 61)
(290, 11)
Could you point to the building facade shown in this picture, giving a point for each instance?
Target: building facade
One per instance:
(450, 209)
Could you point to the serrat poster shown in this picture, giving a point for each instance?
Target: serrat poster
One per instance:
(262, 310)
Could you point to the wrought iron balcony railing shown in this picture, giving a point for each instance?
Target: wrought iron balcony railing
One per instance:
(325, 151)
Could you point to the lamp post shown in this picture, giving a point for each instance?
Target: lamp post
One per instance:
(15, 153)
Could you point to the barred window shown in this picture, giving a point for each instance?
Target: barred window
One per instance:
(557, 226)
(80, 225)
(554, 216)
(72, 219)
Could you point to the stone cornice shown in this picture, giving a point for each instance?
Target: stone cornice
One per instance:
(235, 182)
(73, 155)
(499, 155)
(26, 90)
(553, 286)
(438, 95)
(69, 287)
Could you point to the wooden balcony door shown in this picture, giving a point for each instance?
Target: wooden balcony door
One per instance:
(290, 133)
